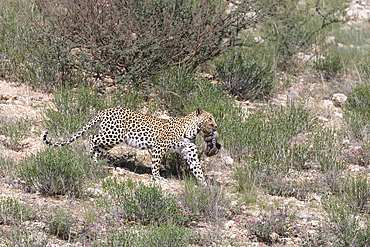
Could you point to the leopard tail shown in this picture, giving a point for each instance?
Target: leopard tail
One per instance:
(90, 124)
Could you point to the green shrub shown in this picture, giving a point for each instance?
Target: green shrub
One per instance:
(144, 204)
(279, 223)
(330, 63)
(315, 238)
(16, 130)
(109, 235)
(354, 50)
(7, 166)
(246, 183)
(357, 111)
(26, 55)
(14, 212)
(208, 202)
(344, 225)
(300, 190)
(365, 65)
(211, 237)
(359, 156)
(57, 171)
(282, 139)
(356, 191)
(269, 138)
(328, 149)
(60, 223)
(165, 235)
(115, 233)
(295, 26)
(23, 235)
(246, 73)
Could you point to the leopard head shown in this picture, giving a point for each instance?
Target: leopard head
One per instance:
(208, 123)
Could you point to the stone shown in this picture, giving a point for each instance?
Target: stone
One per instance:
(315, 223)
(292, 97)
(326, 104)
(338, 114)
(274, 237)
(322, 119)
(233, 235)
(228, 160)
(339, 99)
(95, 192)
(229, 224)
(330, 40)
(345, 141)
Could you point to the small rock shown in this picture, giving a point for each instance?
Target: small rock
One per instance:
(228, 160)
(18, 102)
(292, 97)
(95, 192)
(274, 237)
(345, 141)
(300, 204)
(255, 213)
(338, 114)
(229, 224)
(316, 197)
(323, 119)
(3, 138)
(233, 235)
(330, 40)
(315, 223)
(327, 104)
(339, 99)
(287, 241)
(300, 138)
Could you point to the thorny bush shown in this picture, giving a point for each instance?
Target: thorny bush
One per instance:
(129, 40)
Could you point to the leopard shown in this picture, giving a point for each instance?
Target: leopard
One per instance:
(158, 135)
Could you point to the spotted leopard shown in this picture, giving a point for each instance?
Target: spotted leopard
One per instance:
(161, 136)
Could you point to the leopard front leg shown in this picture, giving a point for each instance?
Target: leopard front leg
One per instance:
(190, 154)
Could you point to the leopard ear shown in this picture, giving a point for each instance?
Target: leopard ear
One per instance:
(199, 111)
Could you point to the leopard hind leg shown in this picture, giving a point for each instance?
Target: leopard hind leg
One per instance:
(157, 155)
(97, 148)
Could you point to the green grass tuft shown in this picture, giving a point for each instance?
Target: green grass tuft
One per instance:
(57, 171)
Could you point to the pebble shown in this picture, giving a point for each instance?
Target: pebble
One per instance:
(228, 160)
(315, 223)
(233, 235)
(338, 114)
(229, 224)
(339, 99)
(323, 119)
